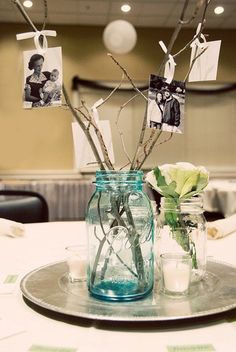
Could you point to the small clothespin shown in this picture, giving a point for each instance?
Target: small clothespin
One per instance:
(95, 111)
(196, 43)
(169, 66)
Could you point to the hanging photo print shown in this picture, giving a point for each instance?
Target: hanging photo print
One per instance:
(42, 78)
(166, 104)
(206, 66)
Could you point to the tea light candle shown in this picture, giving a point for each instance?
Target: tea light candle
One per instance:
(176, 276)
(77, 268)
(176, 273)
(77, 262)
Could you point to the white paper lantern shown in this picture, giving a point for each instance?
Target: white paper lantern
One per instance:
(119, 37)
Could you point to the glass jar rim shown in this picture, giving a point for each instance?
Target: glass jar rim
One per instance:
(117, 172)
(176, 256)
(174, 203)
(119, 176)
(194, 199)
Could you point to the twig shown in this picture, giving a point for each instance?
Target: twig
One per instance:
(149, 150)
(140, 142)
(123, 144)
(82, 125)
(199, 4)
(126, 103)
(45, 4)
(112, 92)
(169, 48)
(91, 121)
(192, 63)
(127, 75)
(145, 146)
(118, 129)
(179, 26)
(139, 164)
(24, 14)
(142, 149)
(202, 21)
(73, 111)
(181, 23)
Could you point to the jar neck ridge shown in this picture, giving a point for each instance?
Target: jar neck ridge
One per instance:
(193, 204)
(130, 180)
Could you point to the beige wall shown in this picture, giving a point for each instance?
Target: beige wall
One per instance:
(41, 139)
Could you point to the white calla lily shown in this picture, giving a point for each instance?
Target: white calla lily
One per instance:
(180, 180)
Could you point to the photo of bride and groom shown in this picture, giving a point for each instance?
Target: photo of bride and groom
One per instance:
(165, 105)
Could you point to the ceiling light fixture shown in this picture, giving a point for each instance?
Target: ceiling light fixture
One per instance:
(219, 10)
(125, 8)
(28, 3)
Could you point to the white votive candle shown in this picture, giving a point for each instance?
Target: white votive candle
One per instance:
(176, 273)
(77, 268)
(176, 277)
(77, 262)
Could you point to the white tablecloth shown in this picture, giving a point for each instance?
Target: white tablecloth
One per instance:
(45, 243)
(220, 196)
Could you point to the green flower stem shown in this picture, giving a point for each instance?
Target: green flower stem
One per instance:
(179, 231)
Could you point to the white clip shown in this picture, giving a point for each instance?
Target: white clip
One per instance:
(197, 42)
(169, 66)
(41, 49)
(95, 111)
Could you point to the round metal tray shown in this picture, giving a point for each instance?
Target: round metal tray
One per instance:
(49, 287)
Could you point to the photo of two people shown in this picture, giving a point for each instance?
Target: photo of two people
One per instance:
(166, 105)
(42, 78)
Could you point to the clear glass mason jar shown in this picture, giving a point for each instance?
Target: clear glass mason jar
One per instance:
(181, 228)
(120, 237)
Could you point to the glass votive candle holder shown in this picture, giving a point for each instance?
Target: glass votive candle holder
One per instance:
(176, 274)
(77, 262)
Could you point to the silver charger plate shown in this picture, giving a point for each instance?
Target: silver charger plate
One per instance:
(49, 287)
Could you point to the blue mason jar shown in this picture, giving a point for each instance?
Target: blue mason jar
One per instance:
(120, 237)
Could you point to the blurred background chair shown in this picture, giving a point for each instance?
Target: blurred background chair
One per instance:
(23, 206)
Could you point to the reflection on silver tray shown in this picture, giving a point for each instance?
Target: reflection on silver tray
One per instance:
(49, 287)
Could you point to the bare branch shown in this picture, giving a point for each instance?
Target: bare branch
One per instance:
(122, 137)
(154, 145)
(140, 142)
(82, 114)
(45, 4)
(82, 125)
(150, 149)
(112, 92)
(24, 14)
(199, 4)
(73, 111)
(188, 44)
(123, 145)
(92, 122)
(193, 61)
(118, 129)
(197, 36)
(141, 134)
(126, 103)
(183, 22)
(166, 140)
(127, 75)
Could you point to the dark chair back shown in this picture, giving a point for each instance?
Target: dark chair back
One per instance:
(23, 206)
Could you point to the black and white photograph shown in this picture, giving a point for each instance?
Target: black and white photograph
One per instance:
(166, 105)
(42, 78)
